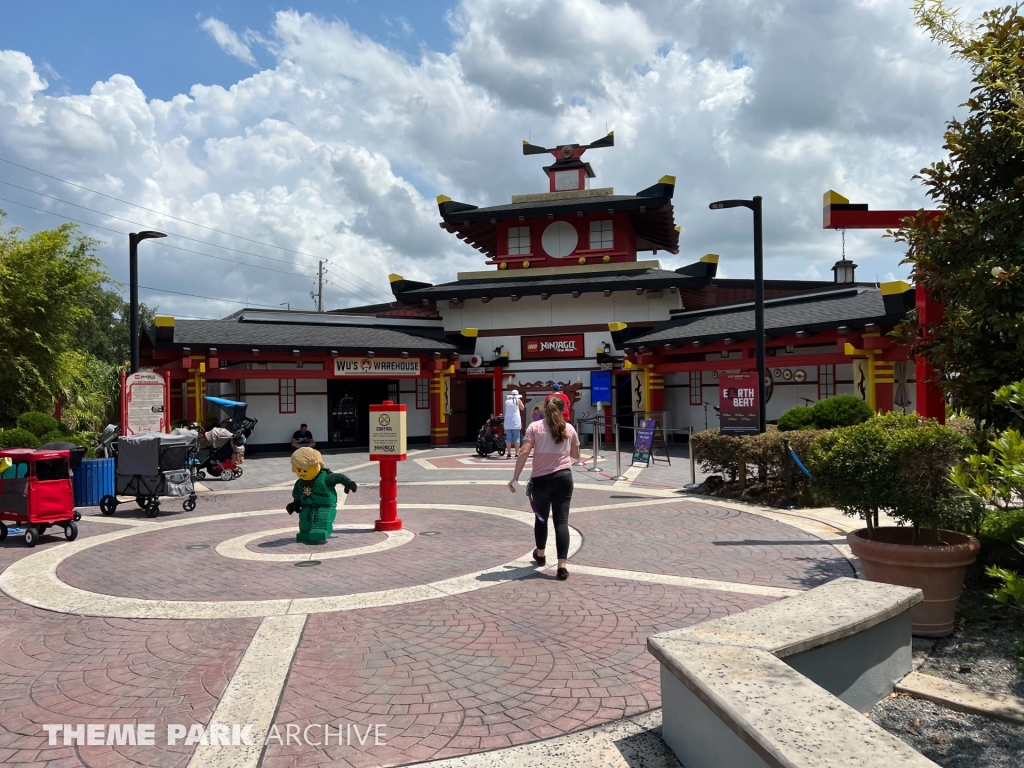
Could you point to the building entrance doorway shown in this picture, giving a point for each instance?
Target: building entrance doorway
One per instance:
(624, 407)
(348, 409)
(472, 404)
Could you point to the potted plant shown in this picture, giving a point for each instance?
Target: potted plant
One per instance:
(901, 465)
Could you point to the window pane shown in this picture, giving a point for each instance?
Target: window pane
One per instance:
(422, 393)
(601, 234)
(518, 240)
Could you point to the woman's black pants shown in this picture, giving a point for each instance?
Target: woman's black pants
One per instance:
(553, 492)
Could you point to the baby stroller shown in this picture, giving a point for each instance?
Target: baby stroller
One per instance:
(224, 441)
(491, 437)
(151, 465)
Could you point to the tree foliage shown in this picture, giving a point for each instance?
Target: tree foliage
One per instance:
(972, 258)
(63, 332)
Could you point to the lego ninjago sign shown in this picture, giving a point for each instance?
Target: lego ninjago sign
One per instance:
(541, 347)
(737, 403)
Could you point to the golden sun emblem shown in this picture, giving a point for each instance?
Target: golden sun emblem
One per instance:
(384, 420)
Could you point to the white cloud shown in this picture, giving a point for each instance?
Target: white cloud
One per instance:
(339, 148)
(228, 40)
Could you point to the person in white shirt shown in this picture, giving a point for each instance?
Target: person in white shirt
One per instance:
(514, 411)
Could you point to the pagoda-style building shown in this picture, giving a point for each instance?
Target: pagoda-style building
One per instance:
(570, 283)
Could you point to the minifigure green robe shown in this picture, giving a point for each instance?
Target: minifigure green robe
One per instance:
(316, 502)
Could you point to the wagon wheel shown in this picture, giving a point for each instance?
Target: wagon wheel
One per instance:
(108, 504)
(71, 531)
(153, 508)
(31, 536)
(201, 475)
(227, 474)
(3, 530)
(189, 504)
(77, 516)
(142, 501)
(238, 472)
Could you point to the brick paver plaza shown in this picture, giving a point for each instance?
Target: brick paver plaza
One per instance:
(445, 636)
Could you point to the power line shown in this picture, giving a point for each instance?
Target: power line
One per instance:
(184, 237)
(169, 216)
(158, 244)
(211, 298)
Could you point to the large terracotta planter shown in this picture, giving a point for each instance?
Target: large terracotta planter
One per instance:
(938, 570)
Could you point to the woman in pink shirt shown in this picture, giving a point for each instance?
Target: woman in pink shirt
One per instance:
(555, 447)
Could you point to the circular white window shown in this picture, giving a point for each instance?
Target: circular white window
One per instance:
(559, 239)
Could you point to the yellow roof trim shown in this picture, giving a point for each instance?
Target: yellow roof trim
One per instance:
(667, 180)
(709, 258)
(163, 321)
(833, 198)
(616, 326)
(470, 333)
(443, 199)
(394, 278)
(895, 287)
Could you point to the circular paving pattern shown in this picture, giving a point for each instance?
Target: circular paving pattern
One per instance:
(238, 548)
(43, 580)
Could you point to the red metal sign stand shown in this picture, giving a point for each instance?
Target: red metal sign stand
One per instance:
(389, 519)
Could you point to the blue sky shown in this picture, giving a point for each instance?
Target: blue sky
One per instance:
(162, 46)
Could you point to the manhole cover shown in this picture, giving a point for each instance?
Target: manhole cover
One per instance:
(431, 533)
(307, 563)
(198, 546)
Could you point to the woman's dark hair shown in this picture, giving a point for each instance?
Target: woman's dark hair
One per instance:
(554, 419)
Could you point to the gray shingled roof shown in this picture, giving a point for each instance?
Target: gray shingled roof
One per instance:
(228, 334)
(626, 280)
(561, 203)
(810, 313)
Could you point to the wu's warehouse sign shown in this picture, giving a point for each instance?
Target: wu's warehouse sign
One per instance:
(540, 347)
(385, 367)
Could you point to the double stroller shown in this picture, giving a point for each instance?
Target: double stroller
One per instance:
(491, 437)
(225, 441)
(151, 465)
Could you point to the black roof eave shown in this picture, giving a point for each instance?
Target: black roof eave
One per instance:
(565, 208)
(882, 320)
(530, 288)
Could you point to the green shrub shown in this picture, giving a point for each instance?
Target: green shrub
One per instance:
(895, 463)
(37, 423)
(18, 438)
(801, 417)
(716, 453)
(840, 411)
(83, 439)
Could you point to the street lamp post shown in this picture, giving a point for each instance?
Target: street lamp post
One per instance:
(134, 238)
(755, 206)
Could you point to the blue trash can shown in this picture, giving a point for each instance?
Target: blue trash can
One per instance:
(94, 479)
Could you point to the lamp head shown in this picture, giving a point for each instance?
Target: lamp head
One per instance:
(146, 235)
(731, 204)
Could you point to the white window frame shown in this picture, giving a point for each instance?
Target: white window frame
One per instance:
(519, 241)
(422, 394)
(286, 397)
(602, 235)
(696, 387)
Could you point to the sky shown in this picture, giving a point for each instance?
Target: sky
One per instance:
(265, 138)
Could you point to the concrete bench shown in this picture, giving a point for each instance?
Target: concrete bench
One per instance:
(787, 684)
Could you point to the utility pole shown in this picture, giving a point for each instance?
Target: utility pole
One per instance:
(320, 288)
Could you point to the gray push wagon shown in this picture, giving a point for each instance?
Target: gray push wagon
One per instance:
(151, 465)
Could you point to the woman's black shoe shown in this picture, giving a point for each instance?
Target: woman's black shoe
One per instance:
(562, 574)
(539, 559)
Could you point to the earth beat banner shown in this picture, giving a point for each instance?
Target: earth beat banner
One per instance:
(737, 403)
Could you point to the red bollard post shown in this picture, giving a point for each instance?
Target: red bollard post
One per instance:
(389, 519)
(387, 445)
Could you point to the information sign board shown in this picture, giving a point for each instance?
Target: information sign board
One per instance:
(737, 403)
(144, 403)
(387, 432)
(601, 387)
(644, 440)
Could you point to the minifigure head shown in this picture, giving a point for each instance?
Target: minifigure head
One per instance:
(307, 463)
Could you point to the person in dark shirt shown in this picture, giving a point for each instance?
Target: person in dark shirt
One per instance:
(303, 438)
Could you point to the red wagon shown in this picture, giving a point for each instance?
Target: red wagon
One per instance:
(36, 493)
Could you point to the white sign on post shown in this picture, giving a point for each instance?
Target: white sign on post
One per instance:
(144, 399)
(387, 432)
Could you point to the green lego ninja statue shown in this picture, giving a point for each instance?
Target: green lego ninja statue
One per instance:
(314, 496)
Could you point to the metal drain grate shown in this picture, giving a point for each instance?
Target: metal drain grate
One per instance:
(431, 533)
(198, 546)
(307, 563)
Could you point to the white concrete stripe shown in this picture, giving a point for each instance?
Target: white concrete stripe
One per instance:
(237, 550)
(684, 581)
(33, 580)
(624, 505)
(253, 694)
(630, 474)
